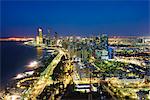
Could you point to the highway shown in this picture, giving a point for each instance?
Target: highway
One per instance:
(110, 92)
(44, 79)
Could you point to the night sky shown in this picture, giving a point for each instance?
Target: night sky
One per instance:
(85, 18)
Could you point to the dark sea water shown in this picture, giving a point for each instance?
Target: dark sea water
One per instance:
(14, 57)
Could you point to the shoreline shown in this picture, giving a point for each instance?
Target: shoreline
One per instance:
(8, 79)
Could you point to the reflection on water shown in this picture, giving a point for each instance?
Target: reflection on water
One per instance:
(39, 52)
(15, 56)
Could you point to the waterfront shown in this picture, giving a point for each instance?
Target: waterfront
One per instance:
(14, 57)
(53, 72)
(76, 50)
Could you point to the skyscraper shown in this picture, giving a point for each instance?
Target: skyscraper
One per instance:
(39, 37)
(37, 40)
(56, 37)
(102, 50)
(40, 33)
(104, 41)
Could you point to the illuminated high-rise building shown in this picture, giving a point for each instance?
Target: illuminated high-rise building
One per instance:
(101, 52)
(56, 37)
(40, 33)
(37, 40)
(39, 37)
(48, 39)
(104, 41)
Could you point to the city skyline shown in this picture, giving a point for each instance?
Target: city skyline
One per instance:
(75, 50)
(84, 18)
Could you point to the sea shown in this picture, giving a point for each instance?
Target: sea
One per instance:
(14, 56)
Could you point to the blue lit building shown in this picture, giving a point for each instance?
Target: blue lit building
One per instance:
(110, 52)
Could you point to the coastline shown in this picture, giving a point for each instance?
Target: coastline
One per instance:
(6, 77)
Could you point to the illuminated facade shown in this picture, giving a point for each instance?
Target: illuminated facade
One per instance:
(40, 33)
(104, 41)
(39, 37)
(56, 37)
(101, 52)
(37, 40)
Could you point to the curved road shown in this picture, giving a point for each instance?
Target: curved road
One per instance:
(44, 79)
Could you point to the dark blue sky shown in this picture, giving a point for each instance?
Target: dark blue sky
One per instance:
(115, 17)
